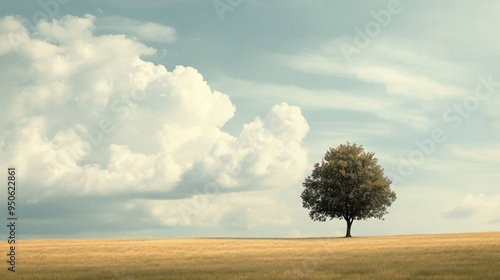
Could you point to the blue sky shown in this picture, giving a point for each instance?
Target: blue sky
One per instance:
(202, 118)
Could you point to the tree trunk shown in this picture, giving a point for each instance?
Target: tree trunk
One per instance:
(349, 224)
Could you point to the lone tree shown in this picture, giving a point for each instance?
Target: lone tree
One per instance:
(348, 184)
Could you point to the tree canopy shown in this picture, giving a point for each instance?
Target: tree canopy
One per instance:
(348, 184)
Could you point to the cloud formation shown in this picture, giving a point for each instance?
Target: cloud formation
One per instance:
(477, 207)
(230, 211)
(87, 115)
(145, 31)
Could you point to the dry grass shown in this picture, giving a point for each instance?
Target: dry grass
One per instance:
(452, 256)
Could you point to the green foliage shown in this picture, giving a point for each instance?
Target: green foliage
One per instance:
(348, 184)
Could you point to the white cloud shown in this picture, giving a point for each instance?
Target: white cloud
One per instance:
(331, 99)
(58, 30)
(400, 71)
(386, 107)
(237, 211)
(488, 155)
(146, 31)
(404, 85)
(12, 34)
(480, 208)
(85, 114)
(269, 149)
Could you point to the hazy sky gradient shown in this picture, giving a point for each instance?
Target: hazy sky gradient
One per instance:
(201, 118)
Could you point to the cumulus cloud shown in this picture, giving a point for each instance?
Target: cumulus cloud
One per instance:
(146, 31)
(266, 148)
(86, 115)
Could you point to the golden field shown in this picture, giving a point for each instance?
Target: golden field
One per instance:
(446, 256)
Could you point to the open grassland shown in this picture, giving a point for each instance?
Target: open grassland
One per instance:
(451, 256)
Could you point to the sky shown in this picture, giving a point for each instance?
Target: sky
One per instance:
(202, 118)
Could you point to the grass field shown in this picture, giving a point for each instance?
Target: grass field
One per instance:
(451, 256)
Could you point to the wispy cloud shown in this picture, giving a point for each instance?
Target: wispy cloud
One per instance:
(401, 72)
(384, 106)
(480, 207)
(146, 31)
